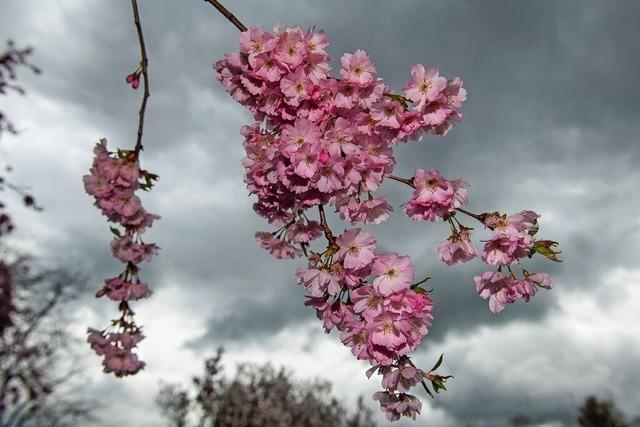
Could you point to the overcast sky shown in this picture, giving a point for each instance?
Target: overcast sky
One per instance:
(551, 124)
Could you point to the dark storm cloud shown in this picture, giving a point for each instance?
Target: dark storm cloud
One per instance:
(551, 124)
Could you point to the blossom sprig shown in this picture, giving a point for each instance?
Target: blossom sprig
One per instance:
(321, 140)
(435, 198)
(113, 181)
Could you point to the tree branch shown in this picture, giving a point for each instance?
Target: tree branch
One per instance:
(480, 218)
(325, 227)
(230, 16)
(143, 64)
(408, 181)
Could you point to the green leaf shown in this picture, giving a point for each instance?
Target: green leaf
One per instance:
(115, 231)
(543, 247)
(427, 390)
(438, 363)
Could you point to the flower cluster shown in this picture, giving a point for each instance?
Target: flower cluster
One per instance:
(513, 239)
(435, 197)
(327, 140)
(113, 181)
(322, 140)
(371, 299)
(116, 348)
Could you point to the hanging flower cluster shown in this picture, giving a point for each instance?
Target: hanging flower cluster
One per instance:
(322, 140)
(113, 180)
(327, 140)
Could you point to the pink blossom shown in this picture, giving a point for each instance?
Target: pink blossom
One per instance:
(371, 211)
(375, 210)
(506, 246)
(410, 303)
(291, 49)
(390, 337)
(356, 336)
(397, 405)
(357, 68)
(340, 138)
(331, 178)
(393, 273)
(541, 279)
(367, 301)
(302, 132)
(255, 41)
(127, 250)
(118, 289)
(278, 248)
(294, 87)
(387, 113)
(455, 95)
(116, 350)
(306, 161)
(330, 314)
(356, 248)
(457, 248)
(434, 196)
(318, 281)
(425, 85)
(401, 378)
(500, 290)
(300, 232)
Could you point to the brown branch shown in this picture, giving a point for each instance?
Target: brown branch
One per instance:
(408, 181)
(143, 64)
(480, 218)
(230, 16)
(325, 227)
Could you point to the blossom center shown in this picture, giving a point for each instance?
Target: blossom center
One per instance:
(256, 47)
(391, 273)
(373, 301)
(387, 326)
(425, 86)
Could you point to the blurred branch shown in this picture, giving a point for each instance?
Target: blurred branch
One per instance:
(225, 12)
(144, 62)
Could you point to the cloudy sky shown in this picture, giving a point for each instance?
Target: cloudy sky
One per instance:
(551, 125)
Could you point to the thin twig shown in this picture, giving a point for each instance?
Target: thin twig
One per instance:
(408, 181)
(143, 64)
(480, 218)
(230, 16)
(325, 227)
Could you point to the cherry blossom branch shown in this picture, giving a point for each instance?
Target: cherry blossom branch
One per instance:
(113, 180)
(143, 64)
(225, 12)
(319, 145)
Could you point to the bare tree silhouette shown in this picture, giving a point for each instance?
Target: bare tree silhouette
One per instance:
(36, 355)
(600, 413)
(258, 395)
(10, 60)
